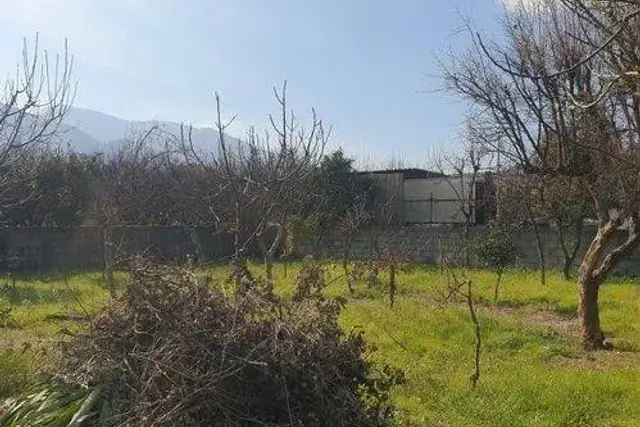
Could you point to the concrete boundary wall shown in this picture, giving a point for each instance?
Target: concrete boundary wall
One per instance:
(432, 244)
(56, 249)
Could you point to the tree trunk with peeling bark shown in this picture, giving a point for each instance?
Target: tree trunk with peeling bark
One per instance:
(594, 270)
(592, 335)
(539, 90)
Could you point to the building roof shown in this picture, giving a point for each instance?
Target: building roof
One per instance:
(410, 173)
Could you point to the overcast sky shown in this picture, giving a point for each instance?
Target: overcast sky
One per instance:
(367, 66)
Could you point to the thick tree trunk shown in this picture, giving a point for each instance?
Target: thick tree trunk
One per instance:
(592, 335)
(594, 270)
(589, 286)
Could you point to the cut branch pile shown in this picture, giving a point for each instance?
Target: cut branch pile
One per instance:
(175, 350)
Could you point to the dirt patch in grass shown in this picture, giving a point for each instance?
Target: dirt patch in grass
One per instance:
(570, 353)
(566, 325)
(24, 342)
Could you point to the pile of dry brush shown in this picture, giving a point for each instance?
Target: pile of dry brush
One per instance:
(176, 350)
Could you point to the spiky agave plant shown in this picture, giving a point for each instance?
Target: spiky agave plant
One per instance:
(52, 404)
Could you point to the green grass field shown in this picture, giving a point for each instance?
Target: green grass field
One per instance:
(534, 371)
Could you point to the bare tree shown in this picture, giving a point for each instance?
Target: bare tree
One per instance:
(563, 202)
(460, 286)
(496, 251)
(129, 192)
(349, 226)
(521, 206)
(395, 258)
(260, 176)
(355, 218)
(559, 201)
(393, 253)
(462, 173)
(567, 74)
(33, 105)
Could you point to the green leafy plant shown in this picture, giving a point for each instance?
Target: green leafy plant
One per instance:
(6, 307)
(298, 229)
(495, 250)
(53, 404)
(359, 272)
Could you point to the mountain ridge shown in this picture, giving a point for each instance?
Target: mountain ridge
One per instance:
(90, 131)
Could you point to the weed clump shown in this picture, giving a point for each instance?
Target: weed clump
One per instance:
(175, 350)
(6, 307)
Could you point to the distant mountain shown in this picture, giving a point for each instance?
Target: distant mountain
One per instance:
(89, 131)
(78, 140)
(103, 127)
(66, 136)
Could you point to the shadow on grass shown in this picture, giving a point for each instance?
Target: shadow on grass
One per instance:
(369, 293)
(543, 303)
(45, 276)
(624, 346)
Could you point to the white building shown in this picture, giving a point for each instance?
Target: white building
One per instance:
(418, 196)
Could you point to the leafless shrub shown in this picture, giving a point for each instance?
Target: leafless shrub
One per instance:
(460, 287)
(395, 260)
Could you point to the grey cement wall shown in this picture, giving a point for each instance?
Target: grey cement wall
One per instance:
(432, 244)
(47, 249)
(50, 249)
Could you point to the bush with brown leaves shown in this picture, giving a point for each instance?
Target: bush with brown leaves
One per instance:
(177, 351)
